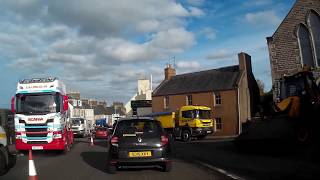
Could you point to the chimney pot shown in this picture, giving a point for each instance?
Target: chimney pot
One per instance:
(169, 72)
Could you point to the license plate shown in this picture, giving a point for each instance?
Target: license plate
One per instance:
(37, 147)
(140, 154)
(208, 131)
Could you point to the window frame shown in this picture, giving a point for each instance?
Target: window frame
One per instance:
(217, 99)
(219, 124)
(166, 100)
(301, 25)
(314, 48)
(189, 100)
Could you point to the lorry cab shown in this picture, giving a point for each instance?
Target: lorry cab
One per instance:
(79, 127)
(41, 119)
(195, 116)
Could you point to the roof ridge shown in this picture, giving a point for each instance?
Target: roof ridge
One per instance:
(218, 69)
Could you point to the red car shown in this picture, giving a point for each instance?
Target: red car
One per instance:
(102, 132)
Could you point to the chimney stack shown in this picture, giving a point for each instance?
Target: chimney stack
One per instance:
(169, 72)
(245, 62)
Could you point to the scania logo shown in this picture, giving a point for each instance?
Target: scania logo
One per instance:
(35, 119)
(139, 140)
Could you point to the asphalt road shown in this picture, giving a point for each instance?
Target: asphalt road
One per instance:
(89, 162)
(206, 159)
(272, 162)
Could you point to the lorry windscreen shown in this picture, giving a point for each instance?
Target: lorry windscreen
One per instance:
(204, 114)
(77, 121)
(38, 103)
(197, 113)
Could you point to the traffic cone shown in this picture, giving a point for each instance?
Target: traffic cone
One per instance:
(32, 169)
(91, 141)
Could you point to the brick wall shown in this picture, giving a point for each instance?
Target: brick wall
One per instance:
(283, 46)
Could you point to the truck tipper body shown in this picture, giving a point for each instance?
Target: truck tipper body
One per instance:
(41, 117)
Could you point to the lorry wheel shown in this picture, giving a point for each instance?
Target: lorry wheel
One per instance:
(12, 160)
(186, 135)
(3, 165)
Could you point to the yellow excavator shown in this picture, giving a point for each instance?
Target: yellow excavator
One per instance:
(295, 118)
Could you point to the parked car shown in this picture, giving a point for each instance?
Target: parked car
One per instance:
(101, 132)
(139, 141)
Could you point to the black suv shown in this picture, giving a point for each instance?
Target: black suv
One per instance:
(139, 141)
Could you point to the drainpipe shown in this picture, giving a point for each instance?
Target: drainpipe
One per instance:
(239, 113)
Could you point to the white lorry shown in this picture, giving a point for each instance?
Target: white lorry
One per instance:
(7, 149)
(40, 108)
(80, 127)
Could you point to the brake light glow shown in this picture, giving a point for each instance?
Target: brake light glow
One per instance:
(164, 140)
(114, 141)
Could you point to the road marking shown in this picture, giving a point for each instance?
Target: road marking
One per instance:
(235, 177)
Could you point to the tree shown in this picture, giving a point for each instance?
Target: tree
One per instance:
(261, 86)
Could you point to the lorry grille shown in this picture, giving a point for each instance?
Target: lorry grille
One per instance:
(36, 135)
(37, 142)
(35, 129)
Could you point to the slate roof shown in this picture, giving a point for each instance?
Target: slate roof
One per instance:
(100, 110)
(225, 78)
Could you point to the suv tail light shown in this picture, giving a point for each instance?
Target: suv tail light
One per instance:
(114, 141)
(164, 140)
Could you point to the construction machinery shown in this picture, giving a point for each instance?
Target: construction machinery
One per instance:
(294, 119)
(8, 154)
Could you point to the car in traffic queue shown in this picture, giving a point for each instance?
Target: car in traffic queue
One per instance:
(138, 142)
(101, 133)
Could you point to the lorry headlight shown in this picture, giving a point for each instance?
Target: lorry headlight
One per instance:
(57, 136)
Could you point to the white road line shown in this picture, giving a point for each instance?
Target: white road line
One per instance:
(235, 177)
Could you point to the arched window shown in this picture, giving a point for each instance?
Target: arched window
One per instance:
(314, 23)
(305, 46)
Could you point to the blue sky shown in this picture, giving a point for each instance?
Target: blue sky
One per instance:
(102, 47)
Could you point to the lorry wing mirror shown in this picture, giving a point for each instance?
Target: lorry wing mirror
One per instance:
(65, 103)
(12, 105)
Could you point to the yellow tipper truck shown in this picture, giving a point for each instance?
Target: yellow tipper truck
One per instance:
(187, 122)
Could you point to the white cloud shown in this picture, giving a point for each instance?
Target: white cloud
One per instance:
(220, 54)
(263, 18)
(88, 43)
(195, 2)
(188, 64)
(196, 11)
(250, 3)
(209, 33)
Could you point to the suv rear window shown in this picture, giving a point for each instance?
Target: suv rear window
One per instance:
(133, 127)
